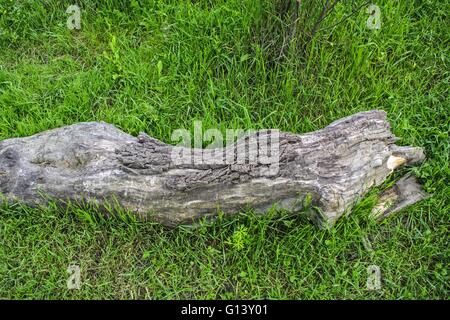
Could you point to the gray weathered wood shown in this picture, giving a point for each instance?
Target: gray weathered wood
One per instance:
(95, 161)
(402, 194)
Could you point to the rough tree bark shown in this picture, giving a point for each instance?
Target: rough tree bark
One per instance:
(95, 161)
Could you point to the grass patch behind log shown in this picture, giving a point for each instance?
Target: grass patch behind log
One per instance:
(158, 67)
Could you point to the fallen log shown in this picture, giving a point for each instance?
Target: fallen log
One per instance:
(330, 169)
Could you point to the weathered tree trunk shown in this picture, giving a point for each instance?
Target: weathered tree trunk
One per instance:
(95, 161)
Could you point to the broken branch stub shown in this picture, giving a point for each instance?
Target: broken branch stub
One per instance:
(97, 162)
(405, 192)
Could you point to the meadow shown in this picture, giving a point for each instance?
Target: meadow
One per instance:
(157, 66)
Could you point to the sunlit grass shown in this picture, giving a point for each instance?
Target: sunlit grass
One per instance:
(159, 67)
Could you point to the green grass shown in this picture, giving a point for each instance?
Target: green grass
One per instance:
(160, 66)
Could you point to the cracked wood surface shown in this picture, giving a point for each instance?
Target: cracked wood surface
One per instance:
(97, 162)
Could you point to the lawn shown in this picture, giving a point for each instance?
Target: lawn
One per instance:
(157, 66)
